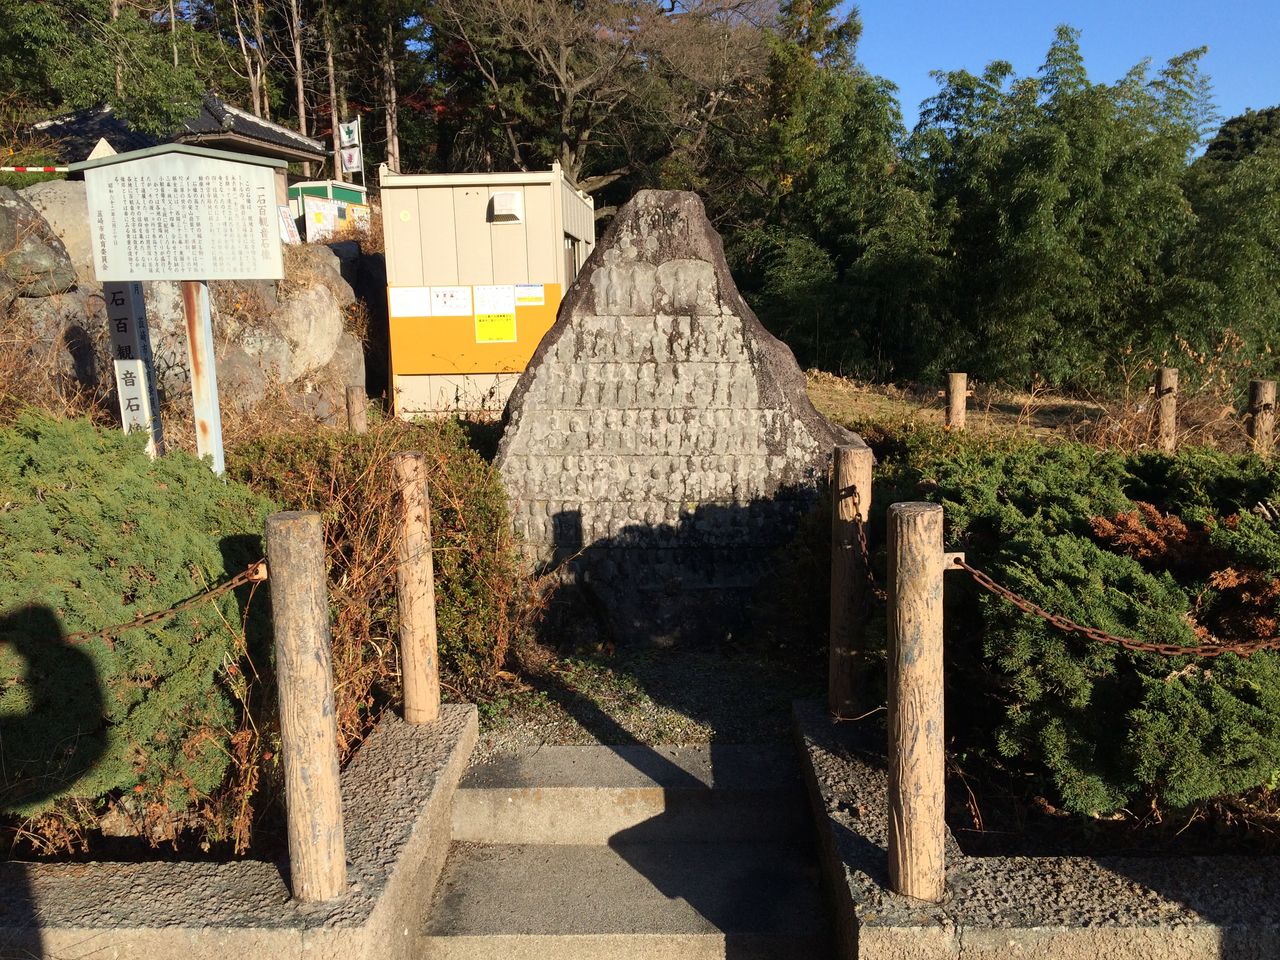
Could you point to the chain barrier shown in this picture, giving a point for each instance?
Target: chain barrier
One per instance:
(1207, 650)
(254, 573)
(1128, 643)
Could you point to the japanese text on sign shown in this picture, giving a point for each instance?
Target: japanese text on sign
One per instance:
(175, 216)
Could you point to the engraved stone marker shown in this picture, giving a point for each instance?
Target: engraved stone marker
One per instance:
(660, 446)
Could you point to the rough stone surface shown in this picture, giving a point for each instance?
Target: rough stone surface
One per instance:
(1047, 908)
(660, 440)
(31, 255)
(66, 338)
(396, 798)
(63, 205)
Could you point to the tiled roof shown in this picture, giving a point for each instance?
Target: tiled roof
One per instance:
(217, 124)
(218, 117)
(78, 133)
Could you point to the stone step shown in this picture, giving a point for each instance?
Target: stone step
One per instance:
(705, 901)
(599, 794)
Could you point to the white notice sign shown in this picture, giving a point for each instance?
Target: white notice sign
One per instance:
(496, 299)
(530, 295)
(319, 218)
(409, 301)
(450, 301)
(176, 216)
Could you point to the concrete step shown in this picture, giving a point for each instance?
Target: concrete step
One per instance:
(598, 794)
(705, 901)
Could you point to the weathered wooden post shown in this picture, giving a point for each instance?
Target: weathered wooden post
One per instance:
(847, 668)
(416, 592)
(1262, 415)
(308, 725)
(917, 830)
(357, 410)
(957, 399)
(1167, 409)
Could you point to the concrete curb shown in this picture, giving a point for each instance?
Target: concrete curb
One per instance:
(397, 796)
(999, 908)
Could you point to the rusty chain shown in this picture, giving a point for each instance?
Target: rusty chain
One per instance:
(254, 573)
(1070, 626)
(1128, 643)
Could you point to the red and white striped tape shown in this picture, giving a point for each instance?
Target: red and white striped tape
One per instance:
(34, 169)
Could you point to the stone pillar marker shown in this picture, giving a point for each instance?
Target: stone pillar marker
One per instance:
(660, 445)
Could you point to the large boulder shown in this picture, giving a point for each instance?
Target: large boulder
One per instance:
(660, 448)
(63, 205)
(31, 255)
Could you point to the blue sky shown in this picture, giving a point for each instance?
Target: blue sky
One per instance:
(905, 39)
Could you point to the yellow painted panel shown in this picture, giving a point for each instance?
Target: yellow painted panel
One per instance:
(471, 227)
(403, 229)
(439, 243)
(543, 241)
(448, 344)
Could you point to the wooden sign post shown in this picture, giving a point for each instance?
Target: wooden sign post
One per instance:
(190, 215)
(134, 364)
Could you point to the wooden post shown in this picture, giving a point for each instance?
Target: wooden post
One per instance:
(357, 410)
(416, 592)
(1167, 409)
(1262, 415)
(308, 727)
(848, 672)
(917, 830)
(957, 399)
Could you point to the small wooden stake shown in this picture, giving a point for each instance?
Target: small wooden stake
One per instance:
(416, 592)
(357, 410)
(1262, 415)
(1167, 409)
(917, 830)
(308, 727)
(848, 671)
(957, 398)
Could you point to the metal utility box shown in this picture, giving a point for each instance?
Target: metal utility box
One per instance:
(476, 267)
(327, 190)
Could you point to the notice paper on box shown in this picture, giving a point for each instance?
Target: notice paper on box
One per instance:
(495, 314)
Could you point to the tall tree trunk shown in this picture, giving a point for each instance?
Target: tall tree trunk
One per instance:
(260, 57)
(173, 32)
(115, 15)
(299, 79)
(250, 70)
(389, 99)
(334, 116)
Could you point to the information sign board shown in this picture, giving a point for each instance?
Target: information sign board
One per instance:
(179, 213)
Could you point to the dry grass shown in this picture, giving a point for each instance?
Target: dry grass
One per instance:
(1212, 388)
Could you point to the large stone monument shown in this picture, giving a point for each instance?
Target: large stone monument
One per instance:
(660, 448)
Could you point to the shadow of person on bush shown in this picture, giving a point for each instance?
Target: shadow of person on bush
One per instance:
(52, 733)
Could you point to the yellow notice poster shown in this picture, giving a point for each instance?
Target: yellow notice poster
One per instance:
(495, 314)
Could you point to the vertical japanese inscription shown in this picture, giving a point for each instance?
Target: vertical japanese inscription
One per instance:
(181, 217)
(134, 366)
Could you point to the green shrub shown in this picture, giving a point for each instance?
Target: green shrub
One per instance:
(483, 601)
(1064, 525)
(93, 533)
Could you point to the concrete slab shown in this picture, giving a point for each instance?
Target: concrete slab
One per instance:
(590, 794)
(631, 902)
(998, 908)
(396, 802)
